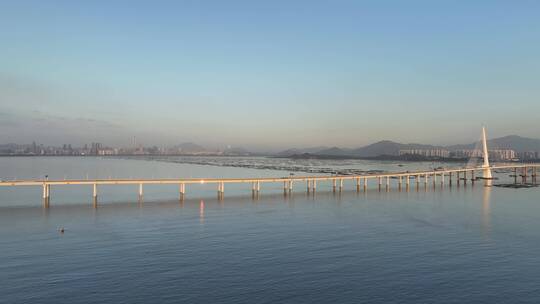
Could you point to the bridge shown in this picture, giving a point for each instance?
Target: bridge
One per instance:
(405, 180)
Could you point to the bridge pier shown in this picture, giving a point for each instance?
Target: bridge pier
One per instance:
(450, 179)
(407, 182)
(417, 180)
(399, 183)
(334, 185)
(94, 191)
(221, 187)
(380, 184)
(524, 175)
(442, 180)
(221, 190)
(473, 178)
(314, 186)
(140, 191)
(458, 178)
(533, 175)
(94, 195)
(46, 195)
(182, 191)
(256, 187)
(434, 180)
(365, 184)
(358, 184)
(387, 183)
(464, 178)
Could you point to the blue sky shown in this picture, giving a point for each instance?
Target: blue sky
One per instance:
(268, 74)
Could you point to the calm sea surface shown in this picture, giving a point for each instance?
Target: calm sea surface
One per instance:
(453, 245)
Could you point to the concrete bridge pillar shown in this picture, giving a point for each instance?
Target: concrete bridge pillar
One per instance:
(44, 191)
(358, 184)
(365, 184)
(387, 183)
(94, 195)
(442, 180)
(399, 183)
(450, 179)
(465, 178)
(334, 185)
(182, 190)
(221, 190)
(140, 190)
(46, 195)
(407, 182)
(314, 185)
(340, 185)
(380, 184)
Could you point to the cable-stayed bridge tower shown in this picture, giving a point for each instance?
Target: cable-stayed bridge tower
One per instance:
(486, 169)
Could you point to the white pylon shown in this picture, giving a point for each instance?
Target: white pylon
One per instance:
(485, 166)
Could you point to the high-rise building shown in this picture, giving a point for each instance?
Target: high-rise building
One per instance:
(434, 153)
(95, 148)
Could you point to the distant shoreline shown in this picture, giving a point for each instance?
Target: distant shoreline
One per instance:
(305, 156)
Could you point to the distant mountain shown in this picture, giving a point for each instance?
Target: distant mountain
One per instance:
(514, 142)
(384, 147)
(387, 147)
(296, 151)
(335, 151)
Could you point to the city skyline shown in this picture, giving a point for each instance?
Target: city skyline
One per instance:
(510, 147)
(267, 76)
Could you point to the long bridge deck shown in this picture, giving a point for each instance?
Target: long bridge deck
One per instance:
(459, 173)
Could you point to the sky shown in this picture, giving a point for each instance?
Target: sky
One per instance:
(268, 75)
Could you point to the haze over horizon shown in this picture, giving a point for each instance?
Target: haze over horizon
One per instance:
(268, 75)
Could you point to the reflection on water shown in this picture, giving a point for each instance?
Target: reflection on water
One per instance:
(427, 246)
(332, 248)
(201, 212)
(486, 207)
